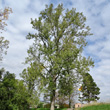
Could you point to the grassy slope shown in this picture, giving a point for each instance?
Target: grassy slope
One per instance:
(96, 107)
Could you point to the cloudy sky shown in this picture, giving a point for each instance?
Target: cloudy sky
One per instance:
(98, 18)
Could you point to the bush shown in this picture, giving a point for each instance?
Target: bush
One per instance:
(43, 109)
(40, 105)
(64, 105)
(47, 105)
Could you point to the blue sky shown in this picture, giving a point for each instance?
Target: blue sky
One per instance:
(98, 18)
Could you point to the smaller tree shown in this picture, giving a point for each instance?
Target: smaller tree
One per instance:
(90, 91)
(7, 90)
(13, 93)
(21, 96)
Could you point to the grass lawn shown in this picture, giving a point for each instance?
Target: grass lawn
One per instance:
(89, 107)
(96, 107)
(48, 109)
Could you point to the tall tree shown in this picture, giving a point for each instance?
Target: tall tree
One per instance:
(58, 44)
(3, 17)
(90, 91)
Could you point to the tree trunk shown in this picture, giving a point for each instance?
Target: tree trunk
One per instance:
(69, 101)
(53, 101)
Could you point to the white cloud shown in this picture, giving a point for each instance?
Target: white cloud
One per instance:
(39, 5)
(97, 2)
(105, 15)
(17, 5)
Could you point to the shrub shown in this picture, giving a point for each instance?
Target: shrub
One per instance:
(64, 105)
(47, 105)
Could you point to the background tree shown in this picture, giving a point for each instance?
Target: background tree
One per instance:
(67, 88)
(90, 91)
(13, 93)
(4, 14)
(32, 80)
(21, 96)
(7, 90)
(58, 44)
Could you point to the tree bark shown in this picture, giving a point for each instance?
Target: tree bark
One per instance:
(53, 101)
(69, 101)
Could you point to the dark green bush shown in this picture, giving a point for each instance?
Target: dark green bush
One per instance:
(47, 105)
(40, 105)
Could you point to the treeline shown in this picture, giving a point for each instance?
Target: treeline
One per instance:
(56, 62)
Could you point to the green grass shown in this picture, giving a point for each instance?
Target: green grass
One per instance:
(48, 109)
(96, 107)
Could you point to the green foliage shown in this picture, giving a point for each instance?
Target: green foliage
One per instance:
(40, 105)
(3, 46)
(90, 90)
(31, 77)
(43, 109)
(13, 93)
(64, 105)
(21, 96)
(7, 90)
(47, 105)
(32, 80)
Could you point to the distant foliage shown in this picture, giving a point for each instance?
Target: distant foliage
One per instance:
(4, 14)
(3, 46)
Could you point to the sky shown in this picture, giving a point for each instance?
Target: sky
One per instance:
(98, 18)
